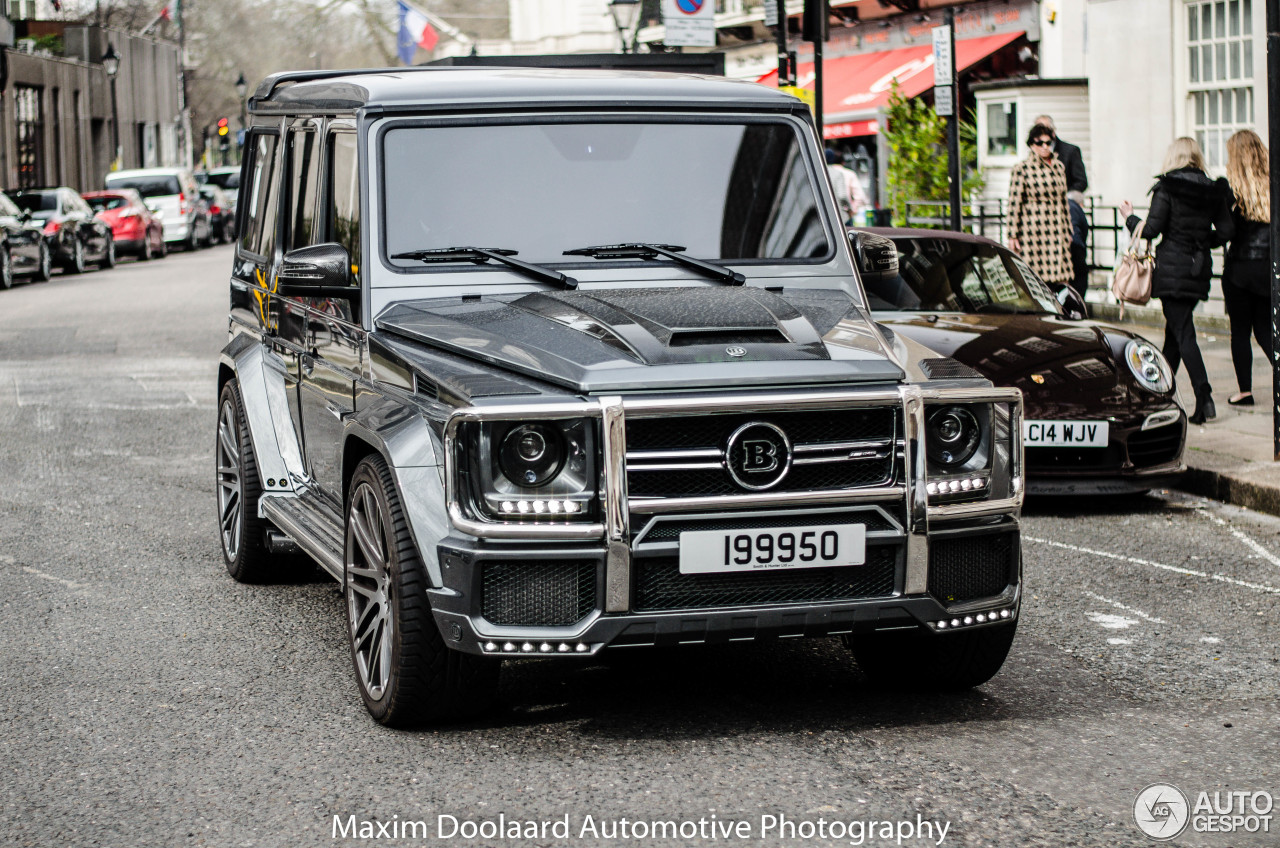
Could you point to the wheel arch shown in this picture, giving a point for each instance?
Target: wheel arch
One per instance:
(410, 447)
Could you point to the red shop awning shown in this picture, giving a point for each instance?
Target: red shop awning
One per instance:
(860, 84)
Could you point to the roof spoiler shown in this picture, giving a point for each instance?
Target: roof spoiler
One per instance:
(270, 83)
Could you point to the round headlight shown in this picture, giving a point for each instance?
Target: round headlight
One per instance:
(532, 454)
(953, 435)
(1148, 366)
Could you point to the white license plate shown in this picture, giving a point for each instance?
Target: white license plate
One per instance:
(717, 551)
(1078, 434)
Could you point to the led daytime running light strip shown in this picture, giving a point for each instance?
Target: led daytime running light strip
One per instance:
(953, 487)
(966, 620)
(531, 648)
(540, 507)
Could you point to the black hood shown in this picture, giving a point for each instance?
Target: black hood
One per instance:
(629, 339)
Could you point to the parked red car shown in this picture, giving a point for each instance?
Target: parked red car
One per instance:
(134, 227)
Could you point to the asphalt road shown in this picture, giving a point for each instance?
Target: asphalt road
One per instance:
(150, 700)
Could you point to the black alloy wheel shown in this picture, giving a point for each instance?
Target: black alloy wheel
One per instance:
(241, 530)
(406, 673)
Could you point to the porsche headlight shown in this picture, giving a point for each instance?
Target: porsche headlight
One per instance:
(1148, 366)
(531, 470)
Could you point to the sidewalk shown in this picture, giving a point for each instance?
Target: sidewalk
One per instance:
(1229, 458)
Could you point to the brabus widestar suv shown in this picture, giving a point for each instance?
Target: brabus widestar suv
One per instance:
(541, 363)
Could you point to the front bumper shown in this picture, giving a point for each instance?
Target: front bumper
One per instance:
(939, 567)
(1134, 460)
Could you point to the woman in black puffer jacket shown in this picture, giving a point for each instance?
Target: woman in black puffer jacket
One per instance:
(1191, 214)
(1246, 278)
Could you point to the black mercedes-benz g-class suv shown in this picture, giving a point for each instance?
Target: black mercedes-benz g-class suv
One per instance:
(541, 363)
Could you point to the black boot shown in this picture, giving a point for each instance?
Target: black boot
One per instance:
(1205, 409)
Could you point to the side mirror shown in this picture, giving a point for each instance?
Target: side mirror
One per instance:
(1072, 304)
(319, 270)
(877, 257)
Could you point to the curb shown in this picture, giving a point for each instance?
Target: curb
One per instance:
(1229, 488)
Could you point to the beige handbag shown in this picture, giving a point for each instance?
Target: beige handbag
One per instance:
(1132, 280)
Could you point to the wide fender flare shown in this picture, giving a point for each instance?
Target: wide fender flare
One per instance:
(262, 377)
(414, 452)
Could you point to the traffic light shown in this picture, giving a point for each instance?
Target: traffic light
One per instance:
(816, 21)
(223, 129)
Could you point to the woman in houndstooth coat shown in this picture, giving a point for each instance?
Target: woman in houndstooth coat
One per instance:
(1038, 220)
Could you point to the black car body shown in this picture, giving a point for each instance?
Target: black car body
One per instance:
(510, 430)
(1101, 410)
(75, 235)
(27, 251)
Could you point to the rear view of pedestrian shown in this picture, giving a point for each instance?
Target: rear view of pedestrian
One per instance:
(1246, 277)
(1191, 215)
(850, 197)
(1038, 221)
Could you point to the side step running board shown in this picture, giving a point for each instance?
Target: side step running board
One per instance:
(316, 529)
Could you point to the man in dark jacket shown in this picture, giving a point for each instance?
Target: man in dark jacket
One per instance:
(1077, 182)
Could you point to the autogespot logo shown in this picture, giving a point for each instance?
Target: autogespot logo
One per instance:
(1161, 811)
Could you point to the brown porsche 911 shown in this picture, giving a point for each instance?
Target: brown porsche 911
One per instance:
(1102, 415)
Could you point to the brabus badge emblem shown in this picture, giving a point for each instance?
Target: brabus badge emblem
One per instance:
(736, 351)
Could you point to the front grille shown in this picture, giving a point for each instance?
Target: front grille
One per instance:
(1156, 446)
(659, 585)
(831, 449)
(537, 594)
(969, 568)
(1075, 459)
(667, 530)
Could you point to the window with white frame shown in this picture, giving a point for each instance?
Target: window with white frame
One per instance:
(1220, 73)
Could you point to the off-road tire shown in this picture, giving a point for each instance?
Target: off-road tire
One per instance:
(427, 681)
(924, 661)
(249, 562)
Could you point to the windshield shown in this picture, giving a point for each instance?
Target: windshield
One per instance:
(154, 186)
(950, 275)
(723, 191)
(103, 202)
(41, 204)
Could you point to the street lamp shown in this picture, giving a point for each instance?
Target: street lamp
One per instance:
(111, 64)
(242, 88)
(626, 14)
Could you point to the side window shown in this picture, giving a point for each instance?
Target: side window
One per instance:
(304, 178)
(259, 216)
(343, 205)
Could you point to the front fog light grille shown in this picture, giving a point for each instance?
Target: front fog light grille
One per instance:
(968, 568)
(537, 594)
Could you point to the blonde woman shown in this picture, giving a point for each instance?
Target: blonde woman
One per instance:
(1191, 215)
(1038, 220)
(1246, 278)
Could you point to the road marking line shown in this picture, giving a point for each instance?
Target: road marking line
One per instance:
(1139, 613)
(1221, 578)
(1263, 552)
(1109, 621)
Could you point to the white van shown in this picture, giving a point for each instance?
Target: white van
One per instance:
(172, 192)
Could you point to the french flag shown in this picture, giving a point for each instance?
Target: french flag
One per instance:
(415, 31)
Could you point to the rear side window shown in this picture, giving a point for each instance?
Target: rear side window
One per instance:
(259, 209)
(154, 186)
(344, 195)
(304, 177)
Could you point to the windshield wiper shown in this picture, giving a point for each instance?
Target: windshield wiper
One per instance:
(481, 255)
(643, 250)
